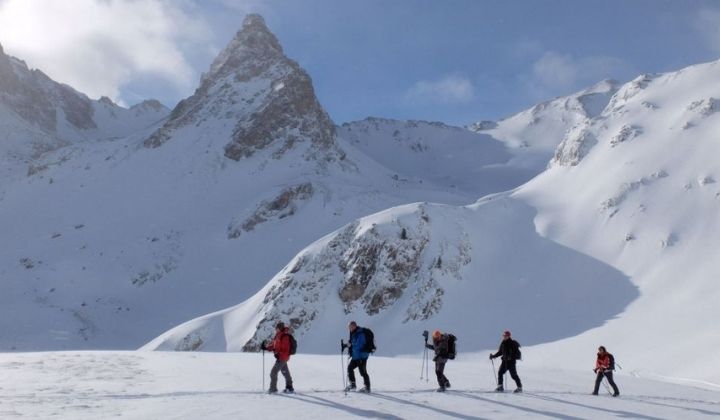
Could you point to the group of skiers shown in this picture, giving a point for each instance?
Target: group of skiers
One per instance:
(361, 344)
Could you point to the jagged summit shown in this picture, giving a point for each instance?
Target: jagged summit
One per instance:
(255, 99)
(253, 41)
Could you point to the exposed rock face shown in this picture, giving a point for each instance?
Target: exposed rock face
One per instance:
(268, 99)
(368, 270)
(284, 205)
(37, 98)
(575, 146)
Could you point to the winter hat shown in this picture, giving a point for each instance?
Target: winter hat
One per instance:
(436, 334)
(280, 325)
(506, 333)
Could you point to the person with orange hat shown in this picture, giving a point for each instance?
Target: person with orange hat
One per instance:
(443, 351)
(510, 351)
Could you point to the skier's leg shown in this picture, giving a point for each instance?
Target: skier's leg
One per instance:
(513, 373)
(363, 372)
(609, 376)
(286, 373)
(598, 379)
(501, 372)
(439, 369)
(351, 372)
(274, 376)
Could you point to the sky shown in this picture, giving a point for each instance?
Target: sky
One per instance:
(456, 61)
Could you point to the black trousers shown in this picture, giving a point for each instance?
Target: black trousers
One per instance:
(509, 365)
(439, 372)
(362, 365)
(609, 375)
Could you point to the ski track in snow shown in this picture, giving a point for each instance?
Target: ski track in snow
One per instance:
(143, 385)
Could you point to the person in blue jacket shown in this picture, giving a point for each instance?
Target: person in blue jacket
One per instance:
(358, 356)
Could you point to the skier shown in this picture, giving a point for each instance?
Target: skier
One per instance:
(281, 347)
(441, 346)
(510, 351)
(358, 351)
(604, 366)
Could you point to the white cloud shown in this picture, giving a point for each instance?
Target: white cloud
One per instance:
(451, 89)
(556, 74)
(97, 46)
(707, 23)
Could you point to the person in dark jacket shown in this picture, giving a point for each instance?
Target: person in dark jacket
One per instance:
(510, 353)
(441, 346)
(358, 356)
(280, 345)
(604, 366)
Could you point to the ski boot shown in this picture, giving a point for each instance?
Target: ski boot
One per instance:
(499, 389)
(365, 390)
(441, 389)
(518, 390)
(289, 391)
(350, 387)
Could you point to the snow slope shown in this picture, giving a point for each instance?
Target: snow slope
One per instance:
(626, 214)
(534, 134)
(93, 385)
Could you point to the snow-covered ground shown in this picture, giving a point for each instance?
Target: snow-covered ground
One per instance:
(156, 385)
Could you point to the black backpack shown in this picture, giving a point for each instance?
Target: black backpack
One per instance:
(293, 343)
(369, 341)
(612, 361)
(451, 349)
(518, 353)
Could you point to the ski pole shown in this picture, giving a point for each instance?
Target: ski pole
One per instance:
(493, 371)
(422, 365)
(263, 366)
(342, 365)
(607, 386)
(427, 366)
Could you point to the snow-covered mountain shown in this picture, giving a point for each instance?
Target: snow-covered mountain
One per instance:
(38, 115)
(123, 238)
(615, 239)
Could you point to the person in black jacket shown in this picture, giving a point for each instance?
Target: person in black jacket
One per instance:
(510, 352)
(441, 346)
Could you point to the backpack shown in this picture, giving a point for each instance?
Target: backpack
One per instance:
(518, 353)
(612, 361)
(369, 341)
(293, 343)
(451, 350)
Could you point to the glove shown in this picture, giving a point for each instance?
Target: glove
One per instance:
(343, 346)
(263, 346)
(491, 356)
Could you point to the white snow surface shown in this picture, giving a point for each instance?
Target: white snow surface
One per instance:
(141, 385)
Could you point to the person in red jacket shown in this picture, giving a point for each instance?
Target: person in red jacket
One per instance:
(281, 347)
(604, 366)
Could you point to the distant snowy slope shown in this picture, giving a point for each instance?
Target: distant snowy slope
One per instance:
(445, 155)
(534, 134)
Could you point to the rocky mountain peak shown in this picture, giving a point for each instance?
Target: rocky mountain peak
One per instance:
(268, 98)
(249, 52)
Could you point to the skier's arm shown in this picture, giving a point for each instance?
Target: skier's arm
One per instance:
(430, 346)
(499, 352)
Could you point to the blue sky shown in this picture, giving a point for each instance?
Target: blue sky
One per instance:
(456, 61)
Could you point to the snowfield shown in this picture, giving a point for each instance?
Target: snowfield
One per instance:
(157, 385)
